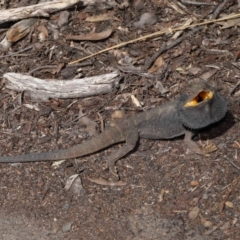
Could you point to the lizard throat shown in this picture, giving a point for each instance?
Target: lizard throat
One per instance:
(201, 96)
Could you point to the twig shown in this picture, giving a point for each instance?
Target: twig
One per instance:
(214, 228)
(235, 87)
(41, 67)
(233, 164)
(219, 9)
(186, 10)
(222, 205)
(197, 3)
(80, 65)
(138, 72)
(232, 186)
(16, 53)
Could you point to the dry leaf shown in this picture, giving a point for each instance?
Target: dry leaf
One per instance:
(102, 17)
(20, 30)
(160, 87)
(229, 23)
(58, 68)
(194, 183)
(16, 32)
(91, 36)
(157, 65)
(205, 76)
(135, 101)
(56, 164)
(236, 144)
(181, 70)
(43, 32)
(194, 70)
(77, 188)
(32, 106)
(74, 183)
(229, 204)
(101, 181)
(70, 181)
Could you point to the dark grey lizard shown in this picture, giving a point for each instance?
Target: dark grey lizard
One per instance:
(198, 107)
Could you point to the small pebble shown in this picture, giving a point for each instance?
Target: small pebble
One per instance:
(67, 227)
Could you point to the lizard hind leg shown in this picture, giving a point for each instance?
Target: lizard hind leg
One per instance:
(131, 141)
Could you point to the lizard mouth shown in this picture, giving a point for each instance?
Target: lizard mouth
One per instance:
(202, 96)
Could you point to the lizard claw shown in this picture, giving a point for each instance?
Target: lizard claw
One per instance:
(208, 148)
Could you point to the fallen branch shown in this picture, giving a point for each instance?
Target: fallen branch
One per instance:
(42, 9)
(42, 90)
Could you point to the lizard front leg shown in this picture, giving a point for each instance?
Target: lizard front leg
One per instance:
(195, 147)
(131, 141)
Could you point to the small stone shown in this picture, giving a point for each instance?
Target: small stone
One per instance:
(193, 213)
(205, 196)
(66, 206)
(67, 227)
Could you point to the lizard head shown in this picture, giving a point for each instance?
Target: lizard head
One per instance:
(201, 106)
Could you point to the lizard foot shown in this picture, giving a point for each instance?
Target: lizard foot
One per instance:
(201, 149)
(207, 147)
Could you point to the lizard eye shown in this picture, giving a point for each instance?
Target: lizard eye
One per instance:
(202, 96)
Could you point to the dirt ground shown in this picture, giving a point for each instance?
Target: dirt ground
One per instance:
(169, 192)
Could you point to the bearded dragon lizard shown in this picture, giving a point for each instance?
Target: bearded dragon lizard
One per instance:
(198, 107)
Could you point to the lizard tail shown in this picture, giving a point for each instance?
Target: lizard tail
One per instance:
(109, 137)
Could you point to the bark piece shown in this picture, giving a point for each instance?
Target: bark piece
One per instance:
(41, 89)
(43, 9)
